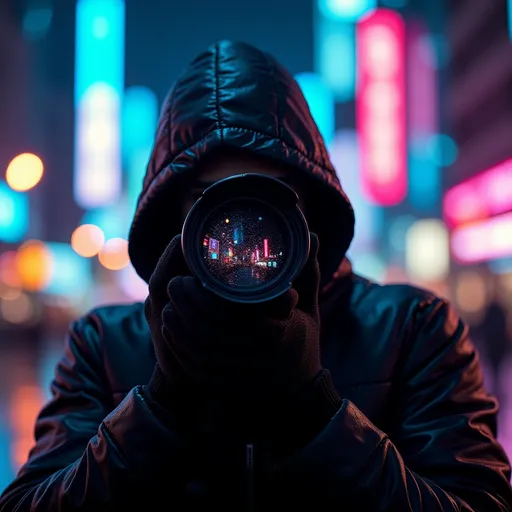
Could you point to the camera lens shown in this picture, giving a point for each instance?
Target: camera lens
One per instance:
(246, 238)
(244, 244)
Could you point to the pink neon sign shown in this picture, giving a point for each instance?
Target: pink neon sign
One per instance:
(480, 197)
(380, 107)
(483, 241)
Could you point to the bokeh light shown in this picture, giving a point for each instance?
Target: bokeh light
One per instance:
(371, 266)
(398, 232)
(132, 285)
(9, 274)
(442, 149)
(24, 172)
(17, 309)
(26, 403)
(33, 263)
(427, 250)
(37, 21)
(70, 276)
(8, 293)
(114, 219)
(87, 240)
(114, 254)
(471, 293)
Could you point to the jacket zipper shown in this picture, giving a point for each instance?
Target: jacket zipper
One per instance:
(249, 466)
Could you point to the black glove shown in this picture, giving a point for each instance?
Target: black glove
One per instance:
(168, 367)
(263, 360)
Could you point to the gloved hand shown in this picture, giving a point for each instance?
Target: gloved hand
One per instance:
(263, 359)
(168, 385)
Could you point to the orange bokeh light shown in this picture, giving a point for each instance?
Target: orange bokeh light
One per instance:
(24, 172)
(114, 254)
(33, 263)
(9, 274)
(26, 403)
(87, 240)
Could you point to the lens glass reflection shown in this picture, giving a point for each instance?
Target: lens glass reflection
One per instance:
(244, 244)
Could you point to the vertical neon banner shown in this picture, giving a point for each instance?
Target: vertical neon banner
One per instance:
(99, 83)
(321, 102)
(335, 56)
(422, 108)
(347, 10)
(381, 106)
(335, 46)
(14, 214)
(140, 116)
(509, 7)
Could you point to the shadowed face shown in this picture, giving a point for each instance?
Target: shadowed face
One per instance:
(230, 163)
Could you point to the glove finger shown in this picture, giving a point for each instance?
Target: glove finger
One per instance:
(199, 306)
(171, 263)
(241, 325)
(152, 318)
(180, 344)
(199, 312)
(225, 325)
(188, 308)
(308, 281)
(281, 307)
(223, 311)
(214, 363)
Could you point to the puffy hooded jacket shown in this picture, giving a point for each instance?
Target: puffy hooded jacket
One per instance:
(234, 95)
(416, 430)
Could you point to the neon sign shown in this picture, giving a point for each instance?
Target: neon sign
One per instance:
(486, 240)
(99, 83)
(483, 196)
(265, 248)
(380, 107)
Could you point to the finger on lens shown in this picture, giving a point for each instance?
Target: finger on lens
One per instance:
(170, 264)
(307, 282)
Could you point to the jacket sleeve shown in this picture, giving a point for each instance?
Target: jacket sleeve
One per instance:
(444, 455)
(88, 457)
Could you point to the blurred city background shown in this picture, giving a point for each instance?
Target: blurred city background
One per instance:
(414, 99)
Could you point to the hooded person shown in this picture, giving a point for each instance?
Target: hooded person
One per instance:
(341, 393)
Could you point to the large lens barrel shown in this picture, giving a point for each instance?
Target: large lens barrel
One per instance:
(246, 238)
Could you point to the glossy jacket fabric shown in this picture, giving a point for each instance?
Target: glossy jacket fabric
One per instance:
(416, 430)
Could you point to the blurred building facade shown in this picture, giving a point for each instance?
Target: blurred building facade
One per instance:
(478, 202)
(478, 199)
(479, 102)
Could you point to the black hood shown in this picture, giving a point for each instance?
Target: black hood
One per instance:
(235, 95)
